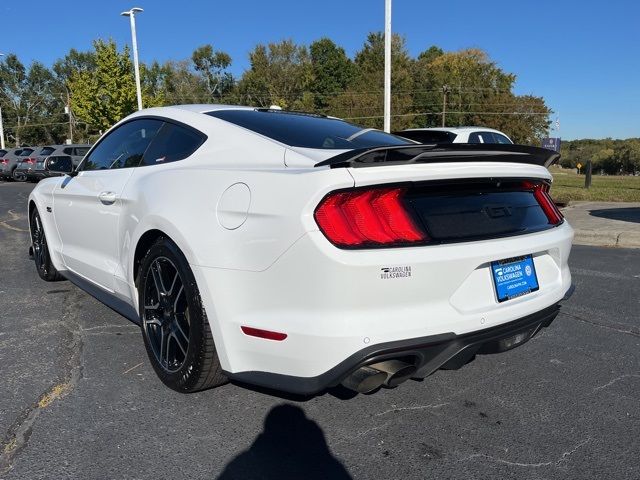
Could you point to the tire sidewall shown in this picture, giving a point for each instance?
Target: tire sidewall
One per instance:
(46, 271)
(18, 177)
(183, 379)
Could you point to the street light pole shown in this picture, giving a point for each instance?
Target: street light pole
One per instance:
(387, 66)
(134, 44)
(1, 127)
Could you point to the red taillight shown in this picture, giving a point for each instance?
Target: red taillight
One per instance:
(541, 194)
(4, 161)
(30, 160)
(372, 217)
(269, 335)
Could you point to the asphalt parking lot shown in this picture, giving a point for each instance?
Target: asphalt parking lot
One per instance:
(79, 399)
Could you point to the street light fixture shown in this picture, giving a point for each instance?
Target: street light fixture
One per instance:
(1, 127)
(132, 18)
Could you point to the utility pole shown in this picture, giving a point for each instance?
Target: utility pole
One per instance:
(445, 90)
(1, 131)
(387, 66)
(68, 112)
(134, 44)
(1, 126)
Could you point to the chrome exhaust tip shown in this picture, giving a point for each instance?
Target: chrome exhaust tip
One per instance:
(365, 380)
(396, 371)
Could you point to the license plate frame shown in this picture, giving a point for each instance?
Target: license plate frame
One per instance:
(514, 277)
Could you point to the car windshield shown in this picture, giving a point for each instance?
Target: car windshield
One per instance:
(308, 130)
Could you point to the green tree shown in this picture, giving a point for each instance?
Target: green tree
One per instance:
(212, 65)
(332, 71)
(179, 83)
(280, 73)
(363, 99)
(28, 101)
(107, 93)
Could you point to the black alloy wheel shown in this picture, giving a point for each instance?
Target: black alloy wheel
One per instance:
(41, 255)
(174, 323)
(166, 314)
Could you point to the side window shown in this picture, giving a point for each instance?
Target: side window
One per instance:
(80, 151)
(172, 143)
(501, 139)
(123, 147)
(475, 138)
(67, 151)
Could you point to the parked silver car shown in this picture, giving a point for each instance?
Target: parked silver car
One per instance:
(9, 163)
(36, 167)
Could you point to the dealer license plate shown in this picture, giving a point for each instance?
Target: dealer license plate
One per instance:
(514, 277)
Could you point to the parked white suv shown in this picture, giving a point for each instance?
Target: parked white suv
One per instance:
(456, 135)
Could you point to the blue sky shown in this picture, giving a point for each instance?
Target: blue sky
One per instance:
(583, 56)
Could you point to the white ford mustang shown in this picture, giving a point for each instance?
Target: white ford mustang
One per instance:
(299, 252)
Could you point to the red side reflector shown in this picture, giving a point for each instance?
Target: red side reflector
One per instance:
(256, 332)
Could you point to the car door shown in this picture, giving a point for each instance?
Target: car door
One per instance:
(87, 207)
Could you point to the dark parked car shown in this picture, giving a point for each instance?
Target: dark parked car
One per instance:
(10, 161)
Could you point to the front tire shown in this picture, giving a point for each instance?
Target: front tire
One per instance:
(41, 255)
(174, 326)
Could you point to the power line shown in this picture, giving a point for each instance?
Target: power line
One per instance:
(449, 112)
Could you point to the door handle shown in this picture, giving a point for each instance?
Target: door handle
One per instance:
(107, 198)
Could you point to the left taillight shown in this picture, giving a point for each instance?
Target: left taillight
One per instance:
(541, 194)
(364, 218)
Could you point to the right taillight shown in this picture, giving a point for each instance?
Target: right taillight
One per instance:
(367, 218)
(541, 194)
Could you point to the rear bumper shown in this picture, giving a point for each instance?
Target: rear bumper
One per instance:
(333, 303)
(428, 354)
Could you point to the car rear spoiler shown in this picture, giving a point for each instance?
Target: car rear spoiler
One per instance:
(438, 153)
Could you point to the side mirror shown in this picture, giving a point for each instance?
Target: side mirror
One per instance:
(59, 164)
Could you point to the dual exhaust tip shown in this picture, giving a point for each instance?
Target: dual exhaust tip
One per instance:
(389, 373)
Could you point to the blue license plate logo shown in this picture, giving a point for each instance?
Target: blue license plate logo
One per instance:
(514, 277)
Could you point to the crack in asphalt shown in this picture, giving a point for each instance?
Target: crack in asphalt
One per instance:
(615, 380)
(633, 332)
(17, 436)
(416, 407)
(556, 463)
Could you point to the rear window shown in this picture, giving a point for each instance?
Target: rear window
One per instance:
(488, 137)
(26, 152)
(2, 152)
(428, 136)
(307, 130)
(47, 151)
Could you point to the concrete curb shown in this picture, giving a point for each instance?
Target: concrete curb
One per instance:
(607, 238)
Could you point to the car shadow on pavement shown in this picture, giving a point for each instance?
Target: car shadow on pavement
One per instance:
(629, 214)
(291, 446)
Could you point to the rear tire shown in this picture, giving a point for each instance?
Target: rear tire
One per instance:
(41, 255)
(18, 176)
(174, 325)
